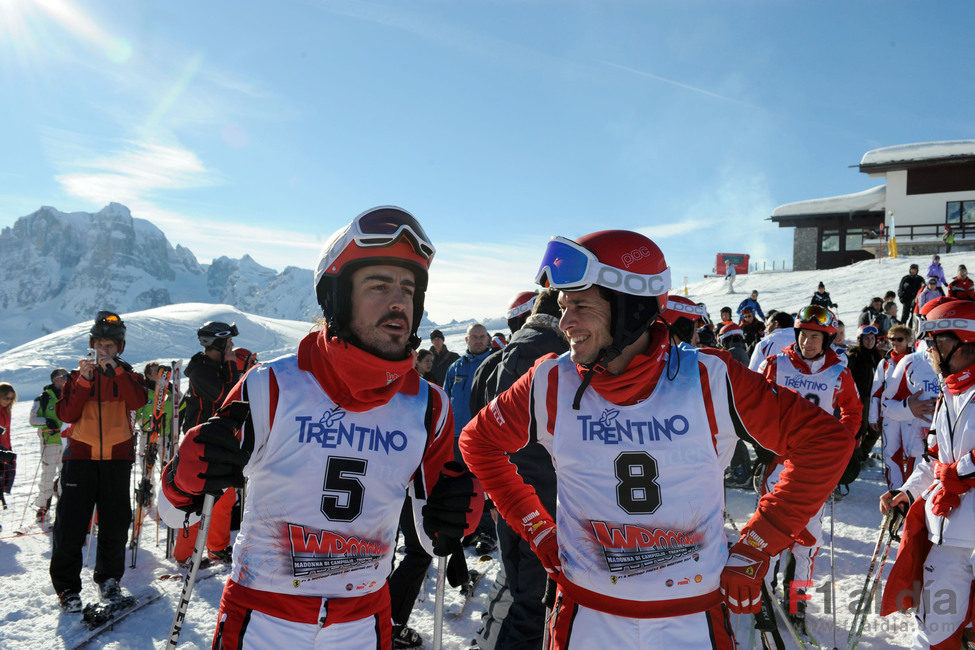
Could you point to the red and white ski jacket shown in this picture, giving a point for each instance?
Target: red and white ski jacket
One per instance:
(912, 373)
(953, 436)
(339, 437)
(640, 469)
(831, 387)
(881, 379)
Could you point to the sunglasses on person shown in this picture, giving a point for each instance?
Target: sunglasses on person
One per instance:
(897, 339)
(567, 265)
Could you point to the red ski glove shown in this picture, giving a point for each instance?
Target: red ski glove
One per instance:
(741, 580)
(952, 487)
(541, 534)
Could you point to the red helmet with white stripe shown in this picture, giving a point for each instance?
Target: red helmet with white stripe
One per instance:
(955, 316)
(731, 329)
(522, 304)
(681, 307)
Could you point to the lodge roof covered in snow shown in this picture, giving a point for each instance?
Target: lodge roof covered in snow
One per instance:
(867, 201)
(918, 154)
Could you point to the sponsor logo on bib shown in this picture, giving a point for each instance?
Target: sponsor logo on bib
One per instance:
(630, 549)
(321, 553)
(610, 430)
(332, 432)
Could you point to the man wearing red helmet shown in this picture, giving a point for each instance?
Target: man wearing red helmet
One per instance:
(810, 368)
(939, 534)
(640, 431)
(682, 316)
(331, 440)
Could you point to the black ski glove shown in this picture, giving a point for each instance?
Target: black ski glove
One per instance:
(222, 455)
(451, 506)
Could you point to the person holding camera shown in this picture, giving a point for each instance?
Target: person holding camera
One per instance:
(96, 400)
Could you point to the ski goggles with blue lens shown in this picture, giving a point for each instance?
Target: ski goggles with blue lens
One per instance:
(817, 314)
(868, 329)
(383, 226)
(568, 266)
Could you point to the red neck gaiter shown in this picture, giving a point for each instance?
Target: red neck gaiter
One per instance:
(961, 380)
(355, 379)
(639, 378)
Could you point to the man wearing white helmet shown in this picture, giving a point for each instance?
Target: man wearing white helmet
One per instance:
(938, 542)
(640, 431)
(331, 440)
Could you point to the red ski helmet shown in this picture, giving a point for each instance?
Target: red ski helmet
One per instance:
(522, 304)
(629, 265)
(729, 330)
(382, 235)
(934, 302)
(955, 316)
(818, 319)
(681, 307)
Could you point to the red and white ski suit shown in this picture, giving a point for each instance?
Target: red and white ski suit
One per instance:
(903, 433)
(938, 545)
(828, 383)
(640, 499)
(339, 437)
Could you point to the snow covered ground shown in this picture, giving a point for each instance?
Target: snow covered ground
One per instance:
(30, 617)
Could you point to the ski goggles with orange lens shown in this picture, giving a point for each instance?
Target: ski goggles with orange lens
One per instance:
(567, 265)
(107, 317)
(816, 314)
(383, 226)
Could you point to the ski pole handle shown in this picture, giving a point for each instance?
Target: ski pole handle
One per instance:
(438, 603)
(190, 579)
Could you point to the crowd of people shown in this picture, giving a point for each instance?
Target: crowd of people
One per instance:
(643, 403)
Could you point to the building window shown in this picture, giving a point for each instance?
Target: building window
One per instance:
(953, 177)
(830, 242)
(960, 212)
(854, 240)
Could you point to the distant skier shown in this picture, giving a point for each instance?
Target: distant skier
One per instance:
(752, 303)
(729, 275)
(936, 271)
(928, 293)
(962, 286)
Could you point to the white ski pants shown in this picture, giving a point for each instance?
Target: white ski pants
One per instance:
(50, 464)
(948, 575)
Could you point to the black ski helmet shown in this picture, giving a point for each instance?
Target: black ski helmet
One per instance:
(107, 325)
(381, 235)
(214, 334)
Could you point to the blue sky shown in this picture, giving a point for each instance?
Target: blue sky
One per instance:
(260, 127)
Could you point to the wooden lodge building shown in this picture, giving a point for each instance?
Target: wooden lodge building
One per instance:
(928, 186)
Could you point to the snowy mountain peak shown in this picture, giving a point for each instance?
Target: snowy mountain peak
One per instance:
(61, 268)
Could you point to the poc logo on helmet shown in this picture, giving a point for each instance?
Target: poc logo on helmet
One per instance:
(635, 255)
(947, 324)
(643, 285)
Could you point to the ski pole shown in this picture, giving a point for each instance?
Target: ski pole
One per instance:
(866, 582)
(190, 579)
(23, 516)
(438, 603)
(832, 566)
(891, 529)
(548, 599)
(92, 531)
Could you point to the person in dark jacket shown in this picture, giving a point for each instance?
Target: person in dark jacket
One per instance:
(821, 298)
(872, 314)
(518, 312)
(863, 359)
(907, 291)
(213, 373)
(524, 576)
(732, 340)
(442, 358)
(752, 329)
(97, 401)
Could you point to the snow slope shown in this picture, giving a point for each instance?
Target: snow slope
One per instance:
(30, 618)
